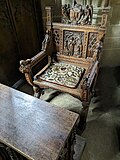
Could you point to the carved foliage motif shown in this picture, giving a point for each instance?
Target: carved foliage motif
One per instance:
(73, 43)
(92, 43)
(25, 66)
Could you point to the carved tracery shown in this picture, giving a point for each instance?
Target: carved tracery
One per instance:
(92, 44)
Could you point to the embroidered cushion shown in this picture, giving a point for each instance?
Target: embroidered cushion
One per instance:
(63, 74)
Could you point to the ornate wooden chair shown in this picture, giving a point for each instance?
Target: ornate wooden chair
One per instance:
(70, 54)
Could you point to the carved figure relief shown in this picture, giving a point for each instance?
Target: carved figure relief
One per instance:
(92, 44)
(77, 14)
(73, 43)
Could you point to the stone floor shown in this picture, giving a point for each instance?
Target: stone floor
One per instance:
(102, 132)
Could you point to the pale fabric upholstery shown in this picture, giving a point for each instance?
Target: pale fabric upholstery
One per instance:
(63, 74)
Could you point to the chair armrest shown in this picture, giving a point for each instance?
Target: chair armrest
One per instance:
(89, 76)
(98, 51)
(27, 65)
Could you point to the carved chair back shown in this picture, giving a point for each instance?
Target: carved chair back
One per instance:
(75, 41)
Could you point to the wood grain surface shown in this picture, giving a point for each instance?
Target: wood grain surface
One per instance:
(35, 128)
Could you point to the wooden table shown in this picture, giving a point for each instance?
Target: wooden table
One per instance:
(35, 128)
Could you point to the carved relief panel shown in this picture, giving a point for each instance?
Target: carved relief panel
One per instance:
(73, 43)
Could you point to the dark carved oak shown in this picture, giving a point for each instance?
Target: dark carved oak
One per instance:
(77, 14)
(71, 43)
(35, 129)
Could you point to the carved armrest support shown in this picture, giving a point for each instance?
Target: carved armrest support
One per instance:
(87, 82)
(27, 65)
(97, 52)
(89, 76)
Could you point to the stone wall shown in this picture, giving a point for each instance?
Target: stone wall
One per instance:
(111, 53)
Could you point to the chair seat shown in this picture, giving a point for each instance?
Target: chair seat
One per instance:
(63, 74)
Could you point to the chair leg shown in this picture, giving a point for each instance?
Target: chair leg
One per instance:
(83, 117)
(37, 91)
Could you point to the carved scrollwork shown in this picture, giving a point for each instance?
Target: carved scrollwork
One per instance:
(25, 66)
(77, 14)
